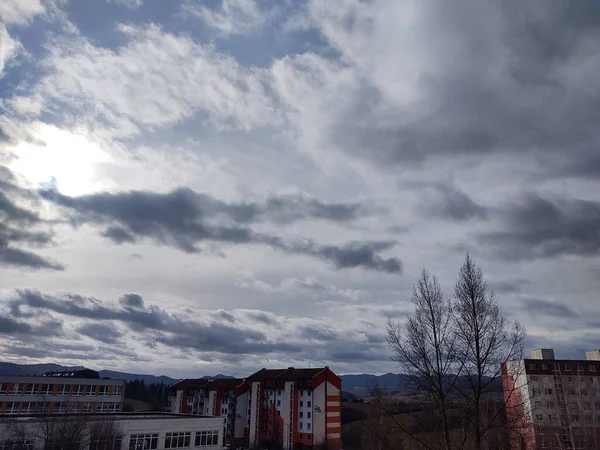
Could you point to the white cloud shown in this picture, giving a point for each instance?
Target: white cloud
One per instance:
(233, 17)
(8, 48)
(19, 12)
(292, 285)
(131, 4)
(156, 79)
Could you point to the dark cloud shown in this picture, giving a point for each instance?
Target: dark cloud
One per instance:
(133, 300)
(522, 81)
(167, 328)
(262, 317)
(11, 326)
(183, 219)
(225, 315)
(540, 228)
(538, 307)
(18, 226)
(100, 332)
(313, 332)
(508, 286)
(22, 258)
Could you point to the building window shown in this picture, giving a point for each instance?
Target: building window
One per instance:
(538, 404)
(206, 438)
(278, 402)
(592, 368)
(571, 391)
(544, 366)
(534, 378)
(106, 443)
(301, 414)
(539, 417)
(308, 415)
(143, 441)
(575, 418)
(309, 393)
(114, 407)
(567, 367)
(583, 391)
(550, 404)
(542, 431)
(309, 404)
(532, 366)
(301, 403)
(308, 426)
(548, 391)
(278, 392)
(31, 389)
(300, 426)
(177, 440)
(579, 367)
(104, 390)
(535, 391)
(16, 445)
(301, 392)
(573, 405)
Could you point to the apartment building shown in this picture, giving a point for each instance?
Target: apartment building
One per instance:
(282, 407)
(551, 403)
(289, 407)
(207, 397)
(61, 392)
(134, 431)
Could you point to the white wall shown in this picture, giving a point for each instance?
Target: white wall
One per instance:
(156, 425)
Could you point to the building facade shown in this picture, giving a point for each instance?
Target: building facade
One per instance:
(61, 392)
(133, 431)
(284, 407)
(207, 397)
(553, 404)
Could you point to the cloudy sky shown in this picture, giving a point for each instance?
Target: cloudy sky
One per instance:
(198, 186)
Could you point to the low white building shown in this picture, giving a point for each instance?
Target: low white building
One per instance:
(133, 431)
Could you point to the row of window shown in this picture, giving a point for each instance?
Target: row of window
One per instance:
(58, 389)
(550, 391)
(566, 367)
(552, 417)
(582, 405)
(182, 439)
(300, 426)
(58, 407)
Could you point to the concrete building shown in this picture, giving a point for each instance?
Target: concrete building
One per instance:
(272, 406)
(61, 392)
(290, 407)
(553, 404)
(134, 431)
(207, 397)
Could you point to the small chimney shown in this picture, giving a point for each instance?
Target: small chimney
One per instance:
(594, 355)
(542, 353)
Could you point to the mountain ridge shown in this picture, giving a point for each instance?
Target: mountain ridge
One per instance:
(357, 384)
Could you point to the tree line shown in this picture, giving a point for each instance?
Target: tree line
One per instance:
(157, 394)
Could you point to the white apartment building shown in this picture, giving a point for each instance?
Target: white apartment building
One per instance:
(147, 431)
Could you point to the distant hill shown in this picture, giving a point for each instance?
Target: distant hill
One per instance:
(38, 369)
(365, 381)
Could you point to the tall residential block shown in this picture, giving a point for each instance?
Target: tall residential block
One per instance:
(551, 403)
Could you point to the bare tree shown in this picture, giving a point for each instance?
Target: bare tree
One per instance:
(485, 340)
(425, 348)
(66, 431)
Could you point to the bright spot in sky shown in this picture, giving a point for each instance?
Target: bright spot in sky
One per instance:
(57, 156)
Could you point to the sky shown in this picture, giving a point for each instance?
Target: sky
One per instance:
(197, 187)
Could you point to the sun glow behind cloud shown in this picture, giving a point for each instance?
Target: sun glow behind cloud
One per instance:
(67, 159)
